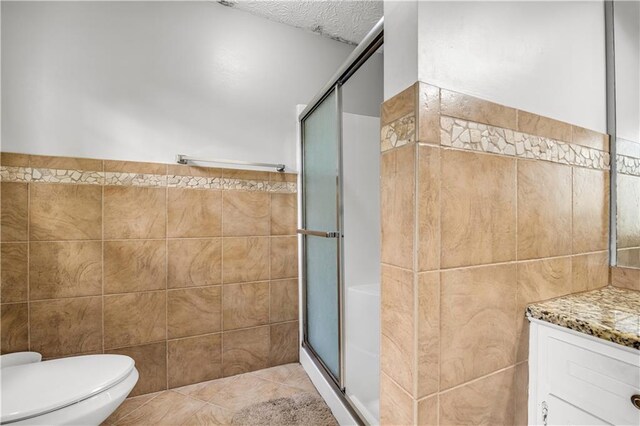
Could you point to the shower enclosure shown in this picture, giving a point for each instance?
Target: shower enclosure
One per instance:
(340, 228)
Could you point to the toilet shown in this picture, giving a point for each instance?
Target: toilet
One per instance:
(79, 390)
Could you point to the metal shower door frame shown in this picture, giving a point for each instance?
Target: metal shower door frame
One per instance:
(369, 45)
(337, 234)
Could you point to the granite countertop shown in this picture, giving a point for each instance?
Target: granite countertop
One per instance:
(610, 313)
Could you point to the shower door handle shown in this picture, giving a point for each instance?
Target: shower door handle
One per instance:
(323, 234)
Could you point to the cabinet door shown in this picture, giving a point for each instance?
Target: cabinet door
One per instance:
(581, 379)
(598, 382)
(562, 413)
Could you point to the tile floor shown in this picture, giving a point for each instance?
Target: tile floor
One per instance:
(213, 402)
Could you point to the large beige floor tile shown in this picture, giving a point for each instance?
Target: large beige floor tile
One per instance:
(168, 408)
(206, 390)
(210, 415)
(128, 406)
(247, 390)
(288, 374)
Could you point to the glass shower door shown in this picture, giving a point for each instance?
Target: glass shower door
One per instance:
(321, 231)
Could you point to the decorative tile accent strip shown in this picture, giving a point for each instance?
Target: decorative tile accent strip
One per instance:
(283, 187)
(176, 181)
(628, 165)
(79, 177)
(15, 174)
(245, 185)
(135, 179)
(477, 137)
(67, 176)
(398, 133)
(473, 136)
(215, 182)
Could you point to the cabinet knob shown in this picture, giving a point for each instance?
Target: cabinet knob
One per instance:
(635, 400)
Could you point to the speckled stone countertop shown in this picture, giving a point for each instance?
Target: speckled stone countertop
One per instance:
(609, 313)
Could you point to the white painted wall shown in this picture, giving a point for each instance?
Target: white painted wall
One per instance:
(144, 81)
(627, 51)
(544, 57)
(400, 46)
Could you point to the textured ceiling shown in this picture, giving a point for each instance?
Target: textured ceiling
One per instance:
(345, 21)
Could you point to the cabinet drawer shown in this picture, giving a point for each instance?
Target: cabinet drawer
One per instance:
(601, 384)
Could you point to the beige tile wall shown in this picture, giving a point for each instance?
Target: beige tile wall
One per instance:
(625, 277)
(191, 271)
(485, 209)
(628, 203)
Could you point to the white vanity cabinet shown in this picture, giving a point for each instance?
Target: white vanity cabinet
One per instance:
(577, 379)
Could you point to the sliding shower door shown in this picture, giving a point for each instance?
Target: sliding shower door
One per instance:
(322, 231)
(340, 230)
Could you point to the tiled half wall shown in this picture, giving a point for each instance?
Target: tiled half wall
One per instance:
(485, 209)
(191, 271)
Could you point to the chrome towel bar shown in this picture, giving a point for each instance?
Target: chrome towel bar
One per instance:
(323, 234)
(184, 159)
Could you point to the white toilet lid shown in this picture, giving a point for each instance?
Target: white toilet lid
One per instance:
(34, 389)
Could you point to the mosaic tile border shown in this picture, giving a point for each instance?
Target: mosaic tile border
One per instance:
(134, 179)
(177, 181)
(398, 133)
(80, 177)
(628, 165)
(15, 174)
(66, 176)
(472, 136)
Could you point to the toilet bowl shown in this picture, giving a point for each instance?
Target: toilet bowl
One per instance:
(80, 390)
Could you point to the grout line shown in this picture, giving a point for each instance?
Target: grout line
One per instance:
(222, 339)
(192, 415)
(501, 370)
(94, 295)
(439, 271)
(270, 278)
(517, 322)
(274, 381)
(572, 180)
(23, 302)
(166, 284)
(149, 239)
(571, 283)
(513, 261)
(157, 394)
(102, 254)
(28, 266)
(517, 253)
(517, 157)
(397, 385)
(431, 395)
(217, 405)
(414, 275)
(571, 133)
(390, 265)
(517, 167)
